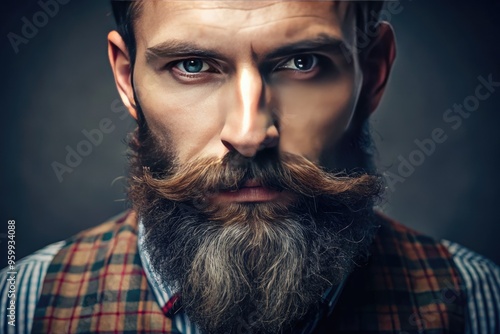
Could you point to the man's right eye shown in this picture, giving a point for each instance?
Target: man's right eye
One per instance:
(193, 66)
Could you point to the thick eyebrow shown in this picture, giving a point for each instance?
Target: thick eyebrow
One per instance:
(322, 42)
(176, 48)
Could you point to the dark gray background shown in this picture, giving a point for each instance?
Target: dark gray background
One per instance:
(60, 83)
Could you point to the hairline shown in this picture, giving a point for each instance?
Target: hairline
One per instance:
(361, 17)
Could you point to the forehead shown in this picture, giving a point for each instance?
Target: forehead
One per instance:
(243, 21)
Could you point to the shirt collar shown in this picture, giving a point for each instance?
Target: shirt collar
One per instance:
(166, 296)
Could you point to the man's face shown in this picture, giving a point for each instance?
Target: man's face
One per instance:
(216, 76)
(241, 101)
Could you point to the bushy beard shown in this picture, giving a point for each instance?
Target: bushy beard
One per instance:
(252, 267)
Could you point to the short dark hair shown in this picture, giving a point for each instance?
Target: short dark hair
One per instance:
(127, 11)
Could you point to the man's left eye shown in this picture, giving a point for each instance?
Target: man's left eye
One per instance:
(302, 63)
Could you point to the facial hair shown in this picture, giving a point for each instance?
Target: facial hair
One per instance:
(257, 267)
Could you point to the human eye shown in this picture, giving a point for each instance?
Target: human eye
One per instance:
(194, 65)
(301, 63)
(302, 67)
(192, 70)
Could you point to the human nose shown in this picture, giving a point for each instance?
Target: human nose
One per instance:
(250, 123)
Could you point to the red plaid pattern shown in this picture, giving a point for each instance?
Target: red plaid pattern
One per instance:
(409, 285)
(96, 284)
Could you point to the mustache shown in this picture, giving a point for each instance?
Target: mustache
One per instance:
(272, 169)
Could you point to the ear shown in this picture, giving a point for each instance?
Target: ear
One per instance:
(122, 70)
(376, 66)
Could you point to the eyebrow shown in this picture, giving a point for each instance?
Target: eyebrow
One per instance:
(177, 48)
(322, 42)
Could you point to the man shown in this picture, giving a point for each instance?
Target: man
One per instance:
(252, 189)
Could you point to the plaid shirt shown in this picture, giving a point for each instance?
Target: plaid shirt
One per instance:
(97, 283)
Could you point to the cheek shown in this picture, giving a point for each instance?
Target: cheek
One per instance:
(314, 118)
(184, 119)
